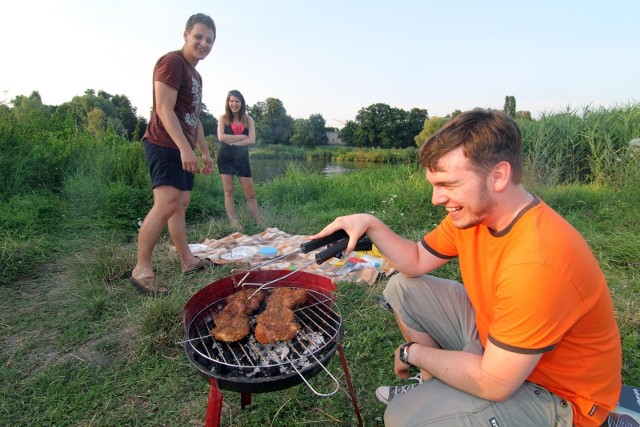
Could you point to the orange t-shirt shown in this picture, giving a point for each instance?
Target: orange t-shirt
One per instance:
(537, 288)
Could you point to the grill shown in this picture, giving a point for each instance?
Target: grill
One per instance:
(248, 366)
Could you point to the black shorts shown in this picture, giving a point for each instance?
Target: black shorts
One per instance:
(234, 160)
(165, 166)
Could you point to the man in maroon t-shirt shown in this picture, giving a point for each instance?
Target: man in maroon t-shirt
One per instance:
(173, 133)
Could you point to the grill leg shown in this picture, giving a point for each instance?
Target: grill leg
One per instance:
(214, 407)
(245, 399)
(345, 369)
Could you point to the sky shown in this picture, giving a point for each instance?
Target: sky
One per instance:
(335, 57)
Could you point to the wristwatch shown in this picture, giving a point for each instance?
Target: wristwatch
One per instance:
(404, 352)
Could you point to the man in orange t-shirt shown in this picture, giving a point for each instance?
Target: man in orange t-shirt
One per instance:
(531, 338)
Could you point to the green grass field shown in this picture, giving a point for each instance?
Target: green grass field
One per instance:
(79, 346)
(82, 347)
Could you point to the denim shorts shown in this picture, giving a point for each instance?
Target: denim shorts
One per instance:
(442, 309)
(165, 167)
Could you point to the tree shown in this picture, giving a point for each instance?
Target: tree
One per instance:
(126, 113)
(257, 111)
(209, 123)
(264, 134)
(319, 130)
(452, 114)
(348, 132)
(97, 122)
(80, 106)
(510, 105)
(101, 94)
(116, 114)
(272, 122)
(413, 126)
(141, 128)
(372, 121)
(380, 125)
(525, 115)
(302, 134)
(27, 108)
(430, 127)
(309, 132)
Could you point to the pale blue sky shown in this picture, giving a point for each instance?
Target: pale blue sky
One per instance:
(334, 57)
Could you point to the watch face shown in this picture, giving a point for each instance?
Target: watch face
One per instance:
(404, 353)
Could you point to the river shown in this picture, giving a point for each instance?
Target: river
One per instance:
(264, 170)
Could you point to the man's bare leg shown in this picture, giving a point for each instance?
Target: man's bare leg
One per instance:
(165, 201)
(425, 339)
(178, 232)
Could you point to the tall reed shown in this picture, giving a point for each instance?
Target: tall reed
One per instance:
(589, 147)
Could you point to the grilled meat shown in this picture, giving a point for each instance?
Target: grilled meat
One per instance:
(276, 323)
(275, 314)
(282, 331)
(232, 323)
(231, 328)
(288, 297)
(242, 297)
(254, 303)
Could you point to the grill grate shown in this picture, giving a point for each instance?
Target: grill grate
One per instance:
(320, 330)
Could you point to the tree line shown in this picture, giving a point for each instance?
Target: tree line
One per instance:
(378, 125)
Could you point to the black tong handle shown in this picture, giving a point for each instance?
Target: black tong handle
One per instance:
(341, 239)
(323, 241)
(363, 244)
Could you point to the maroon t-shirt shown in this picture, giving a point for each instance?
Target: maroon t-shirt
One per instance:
(173, 69)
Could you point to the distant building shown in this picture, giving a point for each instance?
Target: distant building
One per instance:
(334, 139)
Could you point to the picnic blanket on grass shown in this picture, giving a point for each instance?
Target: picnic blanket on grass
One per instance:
(214, 250)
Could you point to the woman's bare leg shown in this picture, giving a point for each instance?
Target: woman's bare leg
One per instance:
(229, 202)
(250, 195)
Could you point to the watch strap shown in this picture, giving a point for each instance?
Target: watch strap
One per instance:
(404, 352)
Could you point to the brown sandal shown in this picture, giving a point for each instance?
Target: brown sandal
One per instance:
(201, 265)
(150, 285)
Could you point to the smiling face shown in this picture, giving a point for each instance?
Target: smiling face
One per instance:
(235, 104)
(198, 43)
(464, 193)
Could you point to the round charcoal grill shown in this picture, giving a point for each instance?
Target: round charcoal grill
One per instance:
(248, 366)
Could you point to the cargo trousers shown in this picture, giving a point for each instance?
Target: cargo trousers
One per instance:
(441, 308)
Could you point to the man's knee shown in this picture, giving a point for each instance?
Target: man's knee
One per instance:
(185, 199)
(395, 282)
(396, 286)
(170, 200)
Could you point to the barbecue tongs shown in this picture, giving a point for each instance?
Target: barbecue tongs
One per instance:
(337, 242)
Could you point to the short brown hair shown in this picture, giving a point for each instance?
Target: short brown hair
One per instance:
(487, 137)
(200, 18)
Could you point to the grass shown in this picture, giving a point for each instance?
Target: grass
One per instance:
(83, 348)
(80, 347)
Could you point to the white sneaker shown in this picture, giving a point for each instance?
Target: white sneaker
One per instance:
(386, 393)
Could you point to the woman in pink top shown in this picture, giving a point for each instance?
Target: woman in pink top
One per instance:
(236, 131)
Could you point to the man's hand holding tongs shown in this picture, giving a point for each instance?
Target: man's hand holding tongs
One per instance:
(348, 232)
